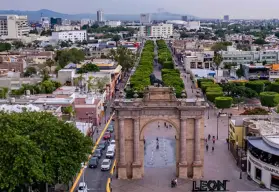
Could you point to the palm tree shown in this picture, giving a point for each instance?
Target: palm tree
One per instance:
(80, 80)
(49, 63)
(217, 59)
(90, 83)
(101, 83)
(125, 57)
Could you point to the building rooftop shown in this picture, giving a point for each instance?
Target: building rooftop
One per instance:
(259, 143)
(19, 108)
(54, 101)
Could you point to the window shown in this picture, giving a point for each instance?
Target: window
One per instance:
(249, 167)
(274, 181)
(258, 174)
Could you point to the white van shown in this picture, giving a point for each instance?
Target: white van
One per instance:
(111, 148)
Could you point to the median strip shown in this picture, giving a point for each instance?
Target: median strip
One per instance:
(93, 150)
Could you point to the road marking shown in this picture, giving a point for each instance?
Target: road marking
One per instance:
(94, 148)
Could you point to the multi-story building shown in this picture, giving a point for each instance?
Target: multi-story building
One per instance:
(13, 26)
(156, 31)
(145, 18)
(15, 64)
(100, 16)
(226, 17)
(66, 27)
(113, 23)
(45, 22)
(55, 21)
(247, 57)
(66, 22)
(70, 35)
(184, 18)
(198, 60)
(85, 22)
(256, 72)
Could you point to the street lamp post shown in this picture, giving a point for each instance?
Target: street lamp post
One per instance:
(228, 140)
(218, 125)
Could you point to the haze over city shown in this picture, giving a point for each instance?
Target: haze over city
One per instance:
(248, 9)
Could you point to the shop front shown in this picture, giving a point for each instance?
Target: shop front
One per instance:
(263, 173)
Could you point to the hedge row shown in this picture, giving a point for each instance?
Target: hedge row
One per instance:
(170, 76)
(269, 99)
(140, 78)
(211, 89)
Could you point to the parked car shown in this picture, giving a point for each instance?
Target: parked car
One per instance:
(102, 145)
(106, 165)
(94, 162)
(111, 148)
(110, 154)
(106, 136)
(112, 142)
(82, 187)
(110, 129)
(98, 153)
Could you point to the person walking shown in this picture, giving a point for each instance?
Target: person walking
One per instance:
(206, 147)
(213, 140)
(212, 148)
(208, 137)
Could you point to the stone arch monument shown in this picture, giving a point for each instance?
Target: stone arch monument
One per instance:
(159, 103)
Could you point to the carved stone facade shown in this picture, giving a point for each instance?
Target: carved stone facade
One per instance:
(159, 103)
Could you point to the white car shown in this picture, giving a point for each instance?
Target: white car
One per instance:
(106, 165)
(111, 148)
(112, 142)
(82, 187)
(110, 154)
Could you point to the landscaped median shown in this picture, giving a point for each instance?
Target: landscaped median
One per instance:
(141, 77)
(93, 150)
(170, 76)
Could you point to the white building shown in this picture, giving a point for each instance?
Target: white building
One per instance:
(45, 22)
(100, 16)
(70, 35)
(156, 31)
(246, 57)
(113, 23)
(85, 22)
(66, 27)
(13, 26)
(263, 154)
(198, 60)
(145, 18)
(193, 25)
(66, 22)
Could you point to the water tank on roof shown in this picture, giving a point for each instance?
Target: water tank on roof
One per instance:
(28, 92)
(12, 100)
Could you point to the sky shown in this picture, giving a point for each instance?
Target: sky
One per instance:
(238, 9)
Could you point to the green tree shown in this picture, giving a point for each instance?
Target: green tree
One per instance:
(38, 148)
(240, 71)
(5, 47)
(29, 71)
(115, 38)
(50, 63)
(90, 83)
(125, 57)
(18, 44)
(3, 92)
(49, 48)
(88, 68)
(260, 41)
(101, 83)
(223, 102)
(269, 99)
(217, 59)
(64, 57)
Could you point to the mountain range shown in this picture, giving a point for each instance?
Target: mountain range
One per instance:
(36, 15)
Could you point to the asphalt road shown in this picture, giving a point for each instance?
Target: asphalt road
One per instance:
(95, 178)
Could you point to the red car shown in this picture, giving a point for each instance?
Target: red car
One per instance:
(106, 136)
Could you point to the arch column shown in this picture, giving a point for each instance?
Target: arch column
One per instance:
(136, 166)
(197, 164)
(183, 171)
(122, 168)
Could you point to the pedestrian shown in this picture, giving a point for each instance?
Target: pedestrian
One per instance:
(206, 147)
(205, 140)
(212, 148)
(167, 126)
(97, 131)
(213, 140)
(208, 137)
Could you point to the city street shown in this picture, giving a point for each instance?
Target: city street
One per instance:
(218, 164)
